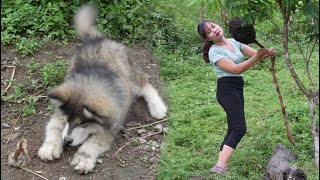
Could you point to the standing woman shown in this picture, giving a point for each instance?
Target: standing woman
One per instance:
(227, 57)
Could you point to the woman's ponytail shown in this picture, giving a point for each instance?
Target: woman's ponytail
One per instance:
(205, 50)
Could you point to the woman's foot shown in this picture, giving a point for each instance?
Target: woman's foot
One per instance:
(219, 170)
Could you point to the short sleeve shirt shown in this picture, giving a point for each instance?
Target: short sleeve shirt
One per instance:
(216, 53)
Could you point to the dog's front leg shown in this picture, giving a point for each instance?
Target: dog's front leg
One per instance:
(85, 159)
(52, 147)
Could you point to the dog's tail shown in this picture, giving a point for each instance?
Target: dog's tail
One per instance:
(85, 22)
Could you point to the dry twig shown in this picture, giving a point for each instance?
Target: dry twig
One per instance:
(32, 172)
(12, 76)
(44, 88)
(147, 124)
(132, 139)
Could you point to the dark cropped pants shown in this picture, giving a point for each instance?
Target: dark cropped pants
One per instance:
(230, 97)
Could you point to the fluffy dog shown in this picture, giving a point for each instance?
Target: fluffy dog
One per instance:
(91, 104)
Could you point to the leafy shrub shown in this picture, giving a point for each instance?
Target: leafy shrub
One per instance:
(53, 73)
(27, 46)
(22, 21)
(130, 21)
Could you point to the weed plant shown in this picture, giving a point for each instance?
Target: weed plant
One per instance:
(38, 79)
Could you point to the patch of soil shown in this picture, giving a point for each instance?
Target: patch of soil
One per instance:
(135, 160)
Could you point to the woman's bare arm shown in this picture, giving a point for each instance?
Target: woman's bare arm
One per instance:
(228, 65)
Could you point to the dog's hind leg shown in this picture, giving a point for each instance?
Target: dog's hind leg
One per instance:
(156, 106)
(53, 145)
(86, 157)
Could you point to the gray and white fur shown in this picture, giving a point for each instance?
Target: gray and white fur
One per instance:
(101, 83)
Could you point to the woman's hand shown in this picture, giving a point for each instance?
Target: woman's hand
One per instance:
(262, 53)
(272, 52)
(265, 52)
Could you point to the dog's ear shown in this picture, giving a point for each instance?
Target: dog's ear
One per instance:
(95, 117)
(87, 113)
(59, 95)
(102, 109)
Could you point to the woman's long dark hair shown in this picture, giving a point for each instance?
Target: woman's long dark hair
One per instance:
(205, 50)
(206, 44)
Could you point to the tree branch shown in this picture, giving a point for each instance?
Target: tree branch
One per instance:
(283, 107)
(287, 58)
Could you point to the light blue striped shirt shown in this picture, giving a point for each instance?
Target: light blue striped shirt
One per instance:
(217, 53)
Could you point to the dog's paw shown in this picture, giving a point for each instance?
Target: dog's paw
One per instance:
(159, 110)
(83, 163)
(50, 151)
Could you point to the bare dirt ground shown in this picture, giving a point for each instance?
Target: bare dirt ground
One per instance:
(135, 160)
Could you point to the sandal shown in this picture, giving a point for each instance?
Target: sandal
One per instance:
(219, 170)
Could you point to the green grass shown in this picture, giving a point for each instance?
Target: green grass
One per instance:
(197, 122)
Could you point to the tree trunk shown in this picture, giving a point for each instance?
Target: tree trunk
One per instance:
(314, 129)
(311, 95)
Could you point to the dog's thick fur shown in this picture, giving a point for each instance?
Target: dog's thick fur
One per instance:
(101, 83)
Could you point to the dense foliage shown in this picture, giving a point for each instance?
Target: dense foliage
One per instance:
(132, 21)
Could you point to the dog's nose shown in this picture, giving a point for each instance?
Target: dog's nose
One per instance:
(68, 140)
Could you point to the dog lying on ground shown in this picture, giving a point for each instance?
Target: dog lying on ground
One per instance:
(101, 83)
